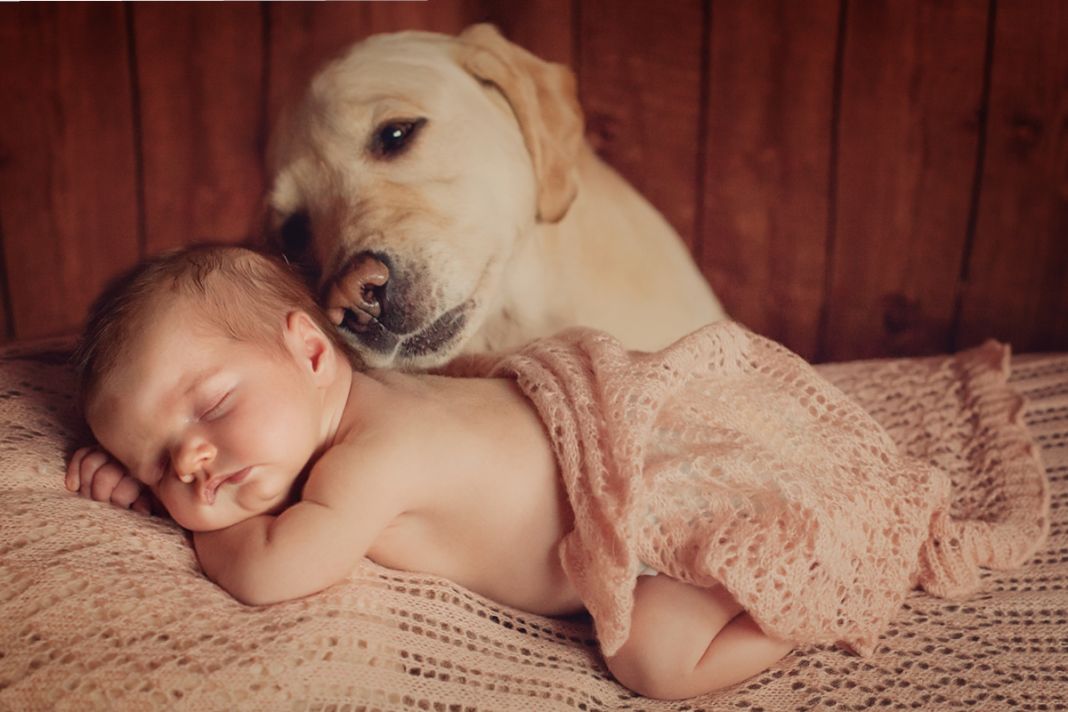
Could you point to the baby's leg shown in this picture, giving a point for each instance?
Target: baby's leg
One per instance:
(685, 641)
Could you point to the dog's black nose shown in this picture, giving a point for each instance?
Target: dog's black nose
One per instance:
(360, 290)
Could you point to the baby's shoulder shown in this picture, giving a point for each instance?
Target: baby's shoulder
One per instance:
(359, 468)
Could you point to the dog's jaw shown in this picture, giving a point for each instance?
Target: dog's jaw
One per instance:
(438, 337)
(432, 346)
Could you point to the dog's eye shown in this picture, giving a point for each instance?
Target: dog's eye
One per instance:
(392, 138)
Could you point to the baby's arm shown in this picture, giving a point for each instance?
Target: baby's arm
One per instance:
(310, 546)
(93, 473)
(270, 558)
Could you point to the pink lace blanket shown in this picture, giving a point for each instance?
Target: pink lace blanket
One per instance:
(727, 459)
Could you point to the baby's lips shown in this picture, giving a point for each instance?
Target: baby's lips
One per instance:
(206, 496)
(210, 487)
(208, 490)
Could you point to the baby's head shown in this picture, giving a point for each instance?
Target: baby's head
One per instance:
(236, 291)
(205, 372)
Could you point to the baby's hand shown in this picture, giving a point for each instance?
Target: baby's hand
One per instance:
(97, 475)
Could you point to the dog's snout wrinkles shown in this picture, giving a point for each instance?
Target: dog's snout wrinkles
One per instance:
(360, 290)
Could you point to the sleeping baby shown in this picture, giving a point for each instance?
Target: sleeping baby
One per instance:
(711, 505)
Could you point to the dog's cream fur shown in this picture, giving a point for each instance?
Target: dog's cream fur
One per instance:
(498, 209)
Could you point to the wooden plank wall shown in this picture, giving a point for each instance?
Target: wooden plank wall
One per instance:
(855, 178)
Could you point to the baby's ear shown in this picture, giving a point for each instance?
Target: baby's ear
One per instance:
(311, 347)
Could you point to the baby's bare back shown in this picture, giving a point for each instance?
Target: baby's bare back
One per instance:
(488, 507)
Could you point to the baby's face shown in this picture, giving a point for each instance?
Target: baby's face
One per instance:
(219, 430)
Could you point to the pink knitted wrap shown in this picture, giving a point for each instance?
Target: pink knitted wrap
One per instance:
(727, 459)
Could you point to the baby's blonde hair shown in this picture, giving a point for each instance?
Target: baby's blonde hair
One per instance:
(245, 296)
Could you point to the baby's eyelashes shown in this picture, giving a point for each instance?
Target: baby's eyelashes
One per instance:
(218, 408)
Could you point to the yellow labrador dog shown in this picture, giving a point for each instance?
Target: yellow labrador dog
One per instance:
(441, 194)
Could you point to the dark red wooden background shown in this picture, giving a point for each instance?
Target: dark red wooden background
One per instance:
(856, 178)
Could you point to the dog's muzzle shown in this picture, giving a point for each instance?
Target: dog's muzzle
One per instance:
(371, 311)
(356, 297)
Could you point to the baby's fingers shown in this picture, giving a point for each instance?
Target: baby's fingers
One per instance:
(95, 474)
(126, 492)
(75, 475)
(106, 478)
(87, 471)
(71, 478)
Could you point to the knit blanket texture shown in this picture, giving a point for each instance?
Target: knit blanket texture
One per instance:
(103, 608)
(727, 459)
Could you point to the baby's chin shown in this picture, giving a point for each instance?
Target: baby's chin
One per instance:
(262, 495)
(226, 513)
(215, 518)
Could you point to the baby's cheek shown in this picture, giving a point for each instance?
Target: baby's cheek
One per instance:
(262, 493)
(181, 504)
(277, 433)
(165, 496)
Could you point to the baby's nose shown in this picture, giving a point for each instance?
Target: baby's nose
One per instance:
(192, 458)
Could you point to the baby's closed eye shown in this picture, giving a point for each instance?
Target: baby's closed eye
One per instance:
(219, 406)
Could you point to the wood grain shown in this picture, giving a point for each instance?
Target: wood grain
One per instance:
(770, 98)
(1017, 287)
(639, 70)
(6, 332)
(919, 216)
(68, 197)
(305, 35)
(200, 74)
(543, 27)
(911, 89)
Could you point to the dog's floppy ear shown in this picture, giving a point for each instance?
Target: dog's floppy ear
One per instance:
(545, 102)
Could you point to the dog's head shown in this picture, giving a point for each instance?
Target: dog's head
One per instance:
(406, 176)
